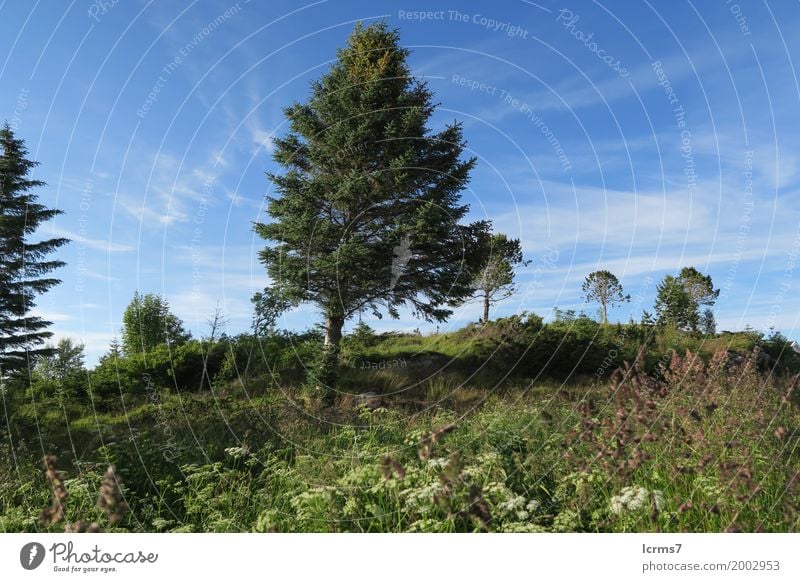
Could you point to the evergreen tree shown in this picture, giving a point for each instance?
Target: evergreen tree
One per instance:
(708, 324)
(368, 215)
(673, 304)
(24, 267)
(680, 298)
(147, 322)
(605, 288)
(699, 287)
(495, 279)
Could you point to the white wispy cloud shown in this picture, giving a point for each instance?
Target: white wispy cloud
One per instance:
(92, 243)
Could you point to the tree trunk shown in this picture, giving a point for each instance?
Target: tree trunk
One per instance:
(605, 315)
(485, 308)
(333, 331)
(327, 372)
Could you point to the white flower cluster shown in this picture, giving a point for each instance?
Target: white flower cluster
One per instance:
(238, 452)
(518, 507)
(634, 498)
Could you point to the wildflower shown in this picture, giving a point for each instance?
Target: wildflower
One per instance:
(82, 527)
(111, 500)
(429, 439)
(634, 498)
(55, 512)
(391, 468)
(238, 452)
(478, 507)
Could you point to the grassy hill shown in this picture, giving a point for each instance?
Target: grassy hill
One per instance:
(516, 425)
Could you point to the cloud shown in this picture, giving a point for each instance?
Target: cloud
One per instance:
(53, 316)
(99, 276)
(91, 243)
(149, 217)
(259, 136)
(608, 218)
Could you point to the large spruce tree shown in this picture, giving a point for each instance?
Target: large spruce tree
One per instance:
(368, 213)
(24, 267)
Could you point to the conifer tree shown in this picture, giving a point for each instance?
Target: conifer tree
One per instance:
(605, 288)
(24, 267)
(368, 213)
(680, 298)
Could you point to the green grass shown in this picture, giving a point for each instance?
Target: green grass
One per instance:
(704, 449)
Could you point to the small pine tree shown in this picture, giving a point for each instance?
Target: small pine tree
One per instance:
(708, 324)
(23, 266)
(673, 305)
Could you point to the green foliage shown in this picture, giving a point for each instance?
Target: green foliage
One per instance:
(61, 371)
(361, 338)
(605, 288)
(24, 267)
(515, 425)
(147, 323)
(494, 280)
(368, 213)
(673, 304)
(679, 300)
(707, 324)
(699, 287)
(189, 367)
(683, 451)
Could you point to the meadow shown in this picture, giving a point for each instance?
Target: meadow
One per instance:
(513, 426)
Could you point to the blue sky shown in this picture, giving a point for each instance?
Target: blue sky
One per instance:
(634, 137)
